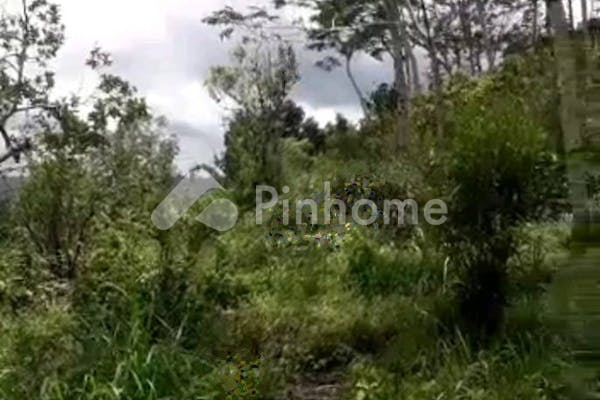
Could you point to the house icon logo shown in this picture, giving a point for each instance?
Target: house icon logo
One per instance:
(220, 214)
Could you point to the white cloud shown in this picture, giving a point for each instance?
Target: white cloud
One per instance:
(190, 103)
(114, 23)
(323, 115)
(163, 47)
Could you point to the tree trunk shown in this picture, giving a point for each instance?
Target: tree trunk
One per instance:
(402, 107)
(563, 53)
(467, 34)
(361, 98)
(435, 71)
(584, 14)
(407, 73)
(414, 67)
(487, 42)
(571, 18)
(547, 22)
(536, 16)
(400, 80)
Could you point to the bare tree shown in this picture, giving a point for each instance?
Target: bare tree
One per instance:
(535, 19)
(566, 74)
(584, 12)
(571, 18)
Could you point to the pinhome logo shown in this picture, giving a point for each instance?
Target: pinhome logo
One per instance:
(220, 214)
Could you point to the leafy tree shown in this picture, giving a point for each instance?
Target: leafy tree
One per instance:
(28, 42)
(295, 124)
(257, 85)
(501, 175)
(383, 35)
(109, 164)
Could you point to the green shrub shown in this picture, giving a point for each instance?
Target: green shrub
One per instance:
(37, 350)
(540, 249)
(500, 177)
(389, 271)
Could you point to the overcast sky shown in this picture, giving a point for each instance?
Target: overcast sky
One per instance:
(164, 49)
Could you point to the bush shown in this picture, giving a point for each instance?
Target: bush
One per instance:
(500, 177)
(391, 271)
(36, 352)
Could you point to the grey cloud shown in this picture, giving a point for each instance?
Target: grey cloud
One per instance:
(197, 144)
(192, 48)
(320, 88)
(184, 57)
(191, 132)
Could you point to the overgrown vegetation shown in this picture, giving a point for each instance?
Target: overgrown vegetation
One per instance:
(96, 303)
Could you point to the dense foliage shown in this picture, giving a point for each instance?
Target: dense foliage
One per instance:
(96, 303)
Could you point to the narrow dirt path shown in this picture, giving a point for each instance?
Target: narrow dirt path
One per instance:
(324, 386)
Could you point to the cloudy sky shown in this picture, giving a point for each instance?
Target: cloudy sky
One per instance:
(163, 48)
